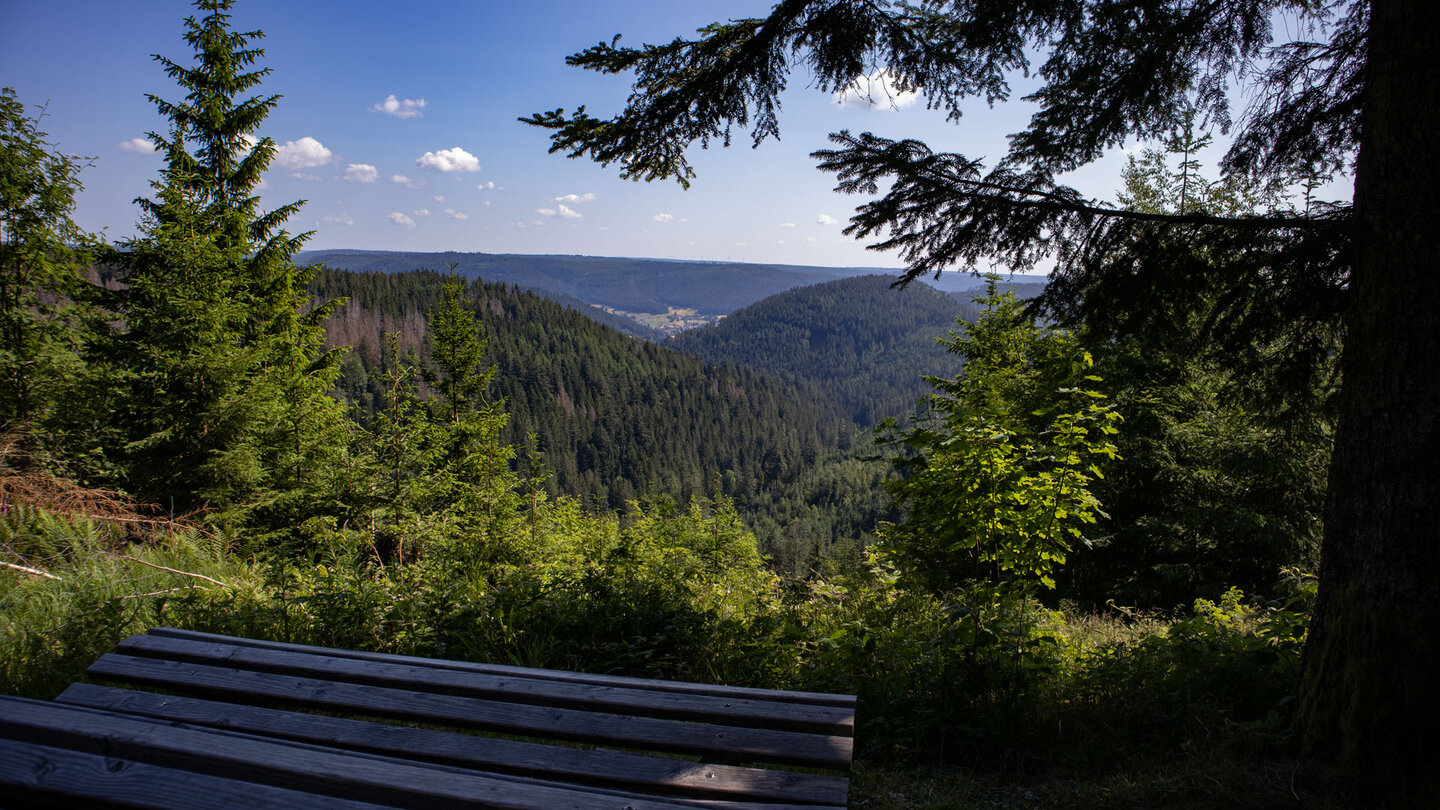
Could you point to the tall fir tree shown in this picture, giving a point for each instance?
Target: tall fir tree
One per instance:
(227, 383)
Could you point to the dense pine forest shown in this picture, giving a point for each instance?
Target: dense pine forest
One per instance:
(616, 417)
(1065, 549)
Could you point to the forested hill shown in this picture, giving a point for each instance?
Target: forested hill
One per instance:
(631, 285)
(1023, 290)
(862, 343)
(618, 417)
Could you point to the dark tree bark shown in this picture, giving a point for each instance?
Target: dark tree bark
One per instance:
(1369, 695)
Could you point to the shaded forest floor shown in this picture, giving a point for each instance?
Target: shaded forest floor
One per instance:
(1187, 782)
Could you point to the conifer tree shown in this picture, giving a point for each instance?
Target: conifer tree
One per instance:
(227, 384)
(43, 294)
(1361, 96)
(476, 465)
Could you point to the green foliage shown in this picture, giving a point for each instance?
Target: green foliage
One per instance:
(97, 588)
(1225, 449)
(43, 295)
(997, 479)
(619, 418)
(856, 341)
(224, 380)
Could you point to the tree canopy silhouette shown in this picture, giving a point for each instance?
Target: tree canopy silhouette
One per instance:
(1357, 92)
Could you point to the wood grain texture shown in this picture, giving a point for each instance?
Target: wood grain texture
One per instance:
(33, 774)
(297, 766)
(812, 698)
(709, 740)
(659, 775)
(523, 689)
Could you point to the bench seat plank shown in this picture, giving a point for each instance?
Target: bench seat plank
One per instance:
(710, 740)
(733, 711)
(613, 768)
(811, 698)
(44, 775)
(297, 766)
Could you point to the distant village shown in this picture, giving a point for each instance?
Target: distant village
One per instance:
(670, 323)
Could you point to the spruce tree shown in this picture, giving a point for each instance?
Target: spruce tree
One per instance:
(226, 387)
(1358, 92)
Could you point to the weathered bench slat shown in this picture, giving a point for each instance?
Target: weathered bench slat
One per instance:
(40, 774)
(614, 768)
(773, 695)
(298, 766)
(727, 742)
(733, 711)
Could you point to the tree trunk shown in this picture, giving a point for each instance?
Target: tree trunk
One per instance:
(1369, 697)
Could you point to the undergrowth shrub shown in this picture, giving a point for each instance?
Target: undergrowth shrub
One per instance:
(93, 586)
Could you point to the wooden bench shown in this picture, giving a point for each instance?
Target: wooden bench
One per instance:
(225, 733)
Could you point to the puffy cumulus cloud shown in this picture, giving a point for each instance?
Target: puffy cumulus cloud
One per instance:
(453, 159)
(664, 217)
(400, 219)
(825, 219)
(422, 212)
(406, 108)
(140, 146)
(401, 179)
(453, 214)
(877, 91)
(567, 212)
(360, 173)
(786, 225)
(545, 212)
(305, 153)
(438, 198)
(338, 219)
(575, 199)
(488, 185)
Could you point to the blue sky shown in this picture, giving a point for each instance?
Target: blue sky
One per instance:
(381, 170)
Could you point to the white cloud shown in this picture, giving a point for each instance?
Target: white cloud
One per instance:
(779, 241)
(405, 181)
(875, 92)
(304, 176)
(438, 198)
(568, 212)
(825, 219)
(305, 153)
(338, 219)
(360, 173)
(740, 244)
(453, 159)
(400, 219)
(664, 217)
(575, 199)
(408, 108)
(140, 146)
(786, 225)
(422, 212)
(545, 212)
(487, 186)
(453, 214)
(812, 240)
